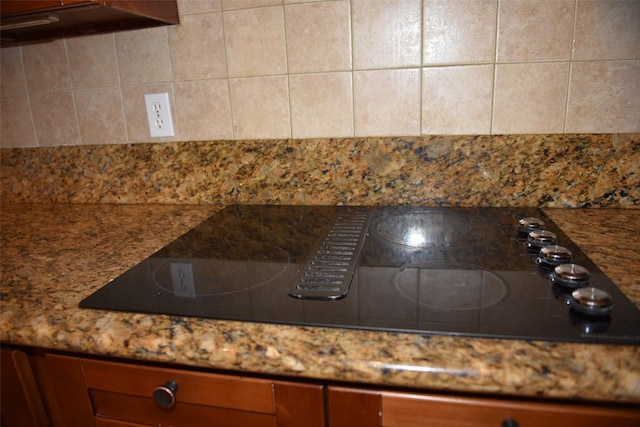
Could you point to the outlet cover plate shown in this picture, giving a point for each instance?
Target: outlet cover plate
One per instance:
(159, 114)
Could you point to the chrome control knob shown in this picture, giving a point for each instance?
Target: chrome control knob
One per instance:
(529, 224)
(570, 276)
(553, 255)
(537, 240)
(165, 395)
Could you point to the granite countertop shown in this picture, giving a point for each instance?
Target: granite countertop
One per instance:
(53, 255)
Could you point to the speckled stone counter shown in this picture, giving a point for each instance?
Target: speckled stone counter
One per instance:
(489, 170)
(54, 255)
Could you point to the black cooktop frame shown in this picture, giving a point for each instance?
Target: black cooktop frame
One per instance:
(426, 270)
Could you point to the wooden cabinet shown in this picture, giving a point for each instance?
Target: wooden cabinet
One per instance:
(125, 392)
(80, 392)
(394, 409)
(21, 402)
(26, 21)
(8, 7)
(63, 389)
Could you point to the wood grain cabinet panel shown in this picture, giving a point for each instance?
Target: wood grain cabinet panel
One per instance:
(63, 389)
(349, 407)
(376, 408)
(21, 404)
(299, 405)
(123, 392)
(417, 410)
(105, 422)
(28, 21)
(22, 6)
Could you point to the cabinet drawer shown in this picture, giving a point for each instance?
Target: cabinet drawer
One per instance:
(413, 410)
(106, 422)
(125, 391)
(144, 410)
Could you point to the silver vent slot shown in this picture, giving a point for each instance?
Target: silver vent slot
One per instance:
(328, 272)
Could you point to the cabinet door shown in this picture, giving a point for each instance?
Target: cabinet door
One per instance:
(42, 20)
(21, 402)
(348, 407)
(417, 410)
(16, 6)
(299, 405)
(63, 390)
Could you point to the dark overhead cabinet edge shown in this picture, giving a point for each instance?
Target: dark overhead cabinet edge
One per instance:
(20, 24)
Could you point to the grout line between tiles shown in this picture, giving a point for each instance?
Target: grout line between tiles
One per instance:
(567, 97)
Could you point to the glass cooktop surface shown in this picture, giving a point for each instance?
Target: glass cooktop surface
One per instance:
(453, 271)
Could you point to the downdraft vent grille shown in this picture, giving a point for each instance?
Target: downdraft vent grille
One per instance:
(328, 272)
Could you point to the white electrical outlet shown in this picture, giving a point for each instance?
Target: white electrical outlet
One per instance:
(159, 114)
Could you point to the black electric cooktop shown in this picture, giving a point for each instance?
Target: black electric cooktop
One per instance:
(453, 271)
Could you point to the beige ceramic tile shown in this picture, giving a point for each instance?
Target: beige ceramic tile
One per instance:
(197, 48)
(251, 52)
(135, 112)
(244, 4)
(386, 33)
(12, 80)
(203, 110)
(530, 98)
(318, 37)
(312, 1)
(607, 30)
(321, 105)
(17, 127)
(260, 107)
(100, 116)
(387, 102)
(54, 118)
(46, 67)
(188, 7)
(93, 61)
(458, 32)
(604, 97)
(457, 100)
(535, 30)
(143, 56)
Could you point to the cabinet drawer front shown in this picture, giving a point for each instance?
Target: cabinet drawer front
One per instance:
(412, 410)
(144, 410)
(107, 422)
(246, 394)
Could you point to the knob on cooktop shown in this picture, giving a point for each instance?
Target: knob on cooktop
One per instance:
(570, 276)
(530, 224)
(591, 301)
(538, 239)
(554, 255)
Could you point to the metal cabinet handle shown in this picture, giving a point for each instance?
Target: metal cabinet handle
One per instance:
(165, 395)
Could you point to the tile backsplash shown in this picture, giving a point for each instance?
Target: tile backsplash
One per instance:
(272, 69)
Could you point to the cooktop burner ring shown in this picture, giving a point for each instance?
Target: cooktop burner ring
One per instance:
(435, 230)
(452, 286)
(181, 269)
